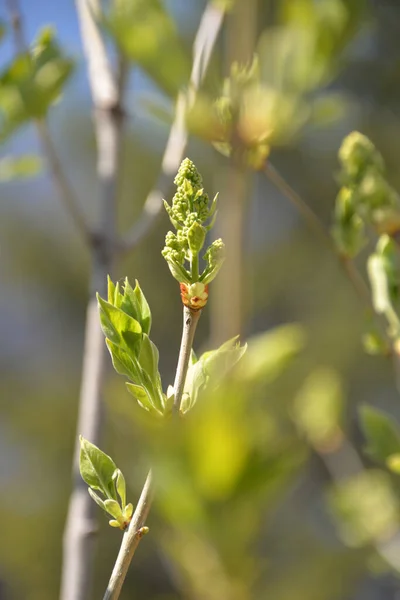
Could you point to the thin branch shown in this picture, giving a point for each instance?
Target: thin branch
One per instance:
(205, 40)
(132, 537)
(190, 320)
(130, 541)
(60, 181)
(317, 226)
(108, 121)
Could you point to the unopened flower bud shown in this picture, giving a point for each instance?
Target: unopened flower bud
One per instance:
(194, 295)
(357, 154)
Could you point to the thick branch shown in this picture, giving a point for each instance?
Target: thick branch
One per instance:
(108, 120)
(205, 40)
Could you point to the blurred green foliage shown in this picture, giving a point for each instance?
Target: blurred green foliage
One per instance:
(245, 507)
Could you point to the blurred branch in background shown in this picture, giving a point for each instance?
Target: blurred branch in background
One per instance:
(316, 225)
(205, 40)
(81, 524)
(107, 93)
(229, 288)
(56, 169)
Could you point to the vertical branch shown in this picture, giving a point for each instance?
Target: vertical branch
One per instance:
(240, 40)
(108, 120)
(190, 320)
(230, 281)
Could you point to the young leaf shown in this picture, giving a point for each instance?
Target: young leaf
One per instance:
(128, 511)
(110, 290)
(96, 498)
(382, 433)
(218, 362)
(144, 309)
(120, 328)
(148, 357)
(121, 486)
(113, 508)
(97, 468)
(122, 362)
(142, 397)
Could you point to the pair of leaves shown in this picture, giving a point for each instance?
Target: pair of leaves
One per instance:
(99, 471)
(126, 322)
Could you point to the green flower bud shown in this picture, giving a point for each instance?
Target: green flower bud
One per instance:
(348, 231)
(189, 213)
(375, 192)
(188, 172)
(214, 257)
(357, 154)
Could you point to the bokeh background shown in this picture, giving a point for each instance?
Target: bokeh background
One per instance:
(246, 505)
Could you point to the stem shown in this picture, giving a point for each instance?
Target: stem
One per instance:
(306, 212)
(61, 182)
(194, 267)
(205, 40)
(317, 226)
(78, 549)
(190, 320)
(130, 541)
(133, 535)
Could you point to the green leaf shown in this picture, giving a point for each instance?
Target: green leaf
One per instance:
(120, 328)
(217, 363)
(134, 303)
(32, 83)
(142, 397)
(121, 486)
(270, 352)
(113, 508)
(146, 34)
(96, 498)
(14, 167)
(196, 381)
(128, 511)
(382, 433)
(97, 468)
(318, 408)
(110, 290)
(144, 308)
(123, 363)
(148, 357)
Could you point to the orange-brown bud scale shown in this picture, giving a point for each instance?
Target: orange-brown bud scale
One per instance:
(194, 295)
